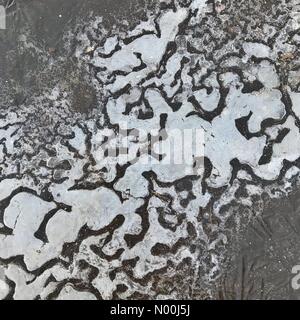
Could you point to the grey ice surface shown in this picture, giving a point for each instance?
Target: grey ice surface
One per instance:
(79, 78)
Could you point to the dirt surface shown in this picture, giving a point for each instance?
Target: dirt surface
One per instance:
(262, 258)
(42, 25)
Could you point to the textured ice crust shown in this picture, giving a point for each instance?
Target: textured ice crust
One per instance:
(75, 225)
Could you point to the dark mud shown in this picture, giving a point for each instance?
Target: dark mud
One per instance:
(262, 257)
(34, 38)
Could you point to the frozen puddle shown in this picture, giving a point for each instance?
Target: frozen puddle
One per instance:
(92, 205)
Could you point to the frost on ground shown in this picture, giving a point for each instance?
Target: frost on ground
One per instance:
(77, 225)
